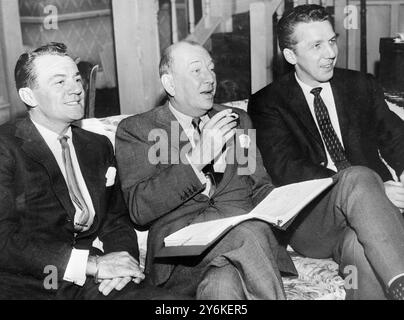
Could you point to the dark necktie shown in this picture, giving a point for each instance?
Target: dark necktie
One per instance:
(208, 170)
(82, 221)
(332, 143)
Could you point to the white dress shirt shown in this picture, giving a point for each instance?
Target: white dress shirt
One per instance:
(328, 98)
(76, 267)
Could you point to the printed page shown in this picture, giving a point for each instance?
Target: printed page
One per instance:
(279, 207)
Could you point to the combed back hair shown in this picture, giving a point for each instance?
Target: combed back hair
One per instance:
(24, 73)
(166, 60)
(304, 13)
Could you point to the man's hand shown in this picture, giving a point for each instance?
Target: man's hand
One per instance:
(215, 133)
(115, 271)
(106, 286)
(118, 265)
(395, 192)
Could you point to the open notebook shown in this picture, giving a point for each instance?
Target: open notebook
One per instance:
(279, 208)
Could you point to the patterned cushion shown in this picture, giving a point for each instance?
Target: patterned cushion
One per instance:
(318, 280)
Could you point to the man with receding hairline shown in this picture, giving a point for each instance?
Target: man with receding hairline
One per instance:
(195, 181)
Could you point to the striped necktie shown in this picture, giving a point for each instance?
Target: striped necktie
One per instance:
(83, 218)
(332, 143)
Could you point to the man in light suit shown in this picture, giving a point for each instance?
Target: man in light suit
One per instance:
(320, 120)
(176, 170)
(65, 232)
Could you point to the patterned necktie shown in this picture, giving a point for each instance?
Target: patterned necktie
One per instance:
(208, 170)
(82, 218)
(332, 143)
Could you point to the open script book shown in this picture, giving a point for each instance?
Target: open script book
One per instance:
(278, 208)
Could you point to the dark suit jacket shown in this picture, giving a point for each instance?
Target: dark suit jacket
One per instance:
(36, 213)
(291, 144)
(166, 197)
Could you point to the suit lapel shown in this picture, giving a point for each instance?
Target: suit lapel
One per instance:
(90, 168)
(299, 106)
(340, 93)
(36, 148)
(176, 137)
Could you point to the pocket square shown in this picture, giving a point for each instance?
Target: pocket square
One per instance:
(110, 176)
(97, 243)
(245, 141)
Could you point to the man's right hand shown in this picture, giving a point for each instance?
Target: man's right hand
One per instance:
(215, 134)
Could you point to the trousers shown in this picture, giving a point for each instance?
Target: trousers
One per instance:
(242, 265)
(359, 227)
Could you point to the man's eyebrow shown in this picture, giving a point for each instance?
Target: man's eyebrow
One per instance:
(59, 75)
(62, 75)
(195, 61)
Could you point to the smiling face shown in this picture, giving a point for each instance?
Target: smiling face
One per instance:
(315, 54)
(57, 97)
(191, 82)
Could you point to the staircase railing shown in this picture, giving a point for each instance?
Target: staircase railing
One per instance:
(264, 46)
(201, 30)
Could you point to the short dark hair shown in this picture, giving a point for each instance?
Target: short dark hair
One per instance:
(166, 60)
(304, 13)
(25, 76)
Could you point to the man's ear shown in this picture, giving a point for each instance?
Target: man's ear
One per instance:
(168, 84)
(27, 96)
(289, 56)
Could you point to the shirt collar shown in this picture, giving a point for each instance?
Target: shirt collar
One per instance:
(184, 120)
(307, 89)
(48, 134)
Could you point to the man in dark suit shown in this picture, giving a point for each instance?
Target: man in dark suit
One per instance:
(318, 121)
(180, 164)
(65, 231)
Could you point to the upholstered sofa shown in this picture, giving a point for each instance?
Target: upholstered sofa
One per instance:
(318, 279)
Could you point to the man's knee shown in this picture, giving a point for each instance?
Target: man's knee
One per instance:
(360, 178)
(221, 283)
(254, 232)
(360, 174)
(254, 229)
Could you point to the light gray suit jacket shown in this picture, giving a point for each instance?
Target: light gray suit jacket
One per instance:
(166, 197)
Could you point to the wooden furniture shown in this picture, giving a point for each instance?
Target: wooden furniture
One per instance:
(88, 72)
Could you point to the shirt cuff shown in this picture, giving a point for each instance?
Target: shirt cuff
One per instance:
(201, 176)
(76, 268)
